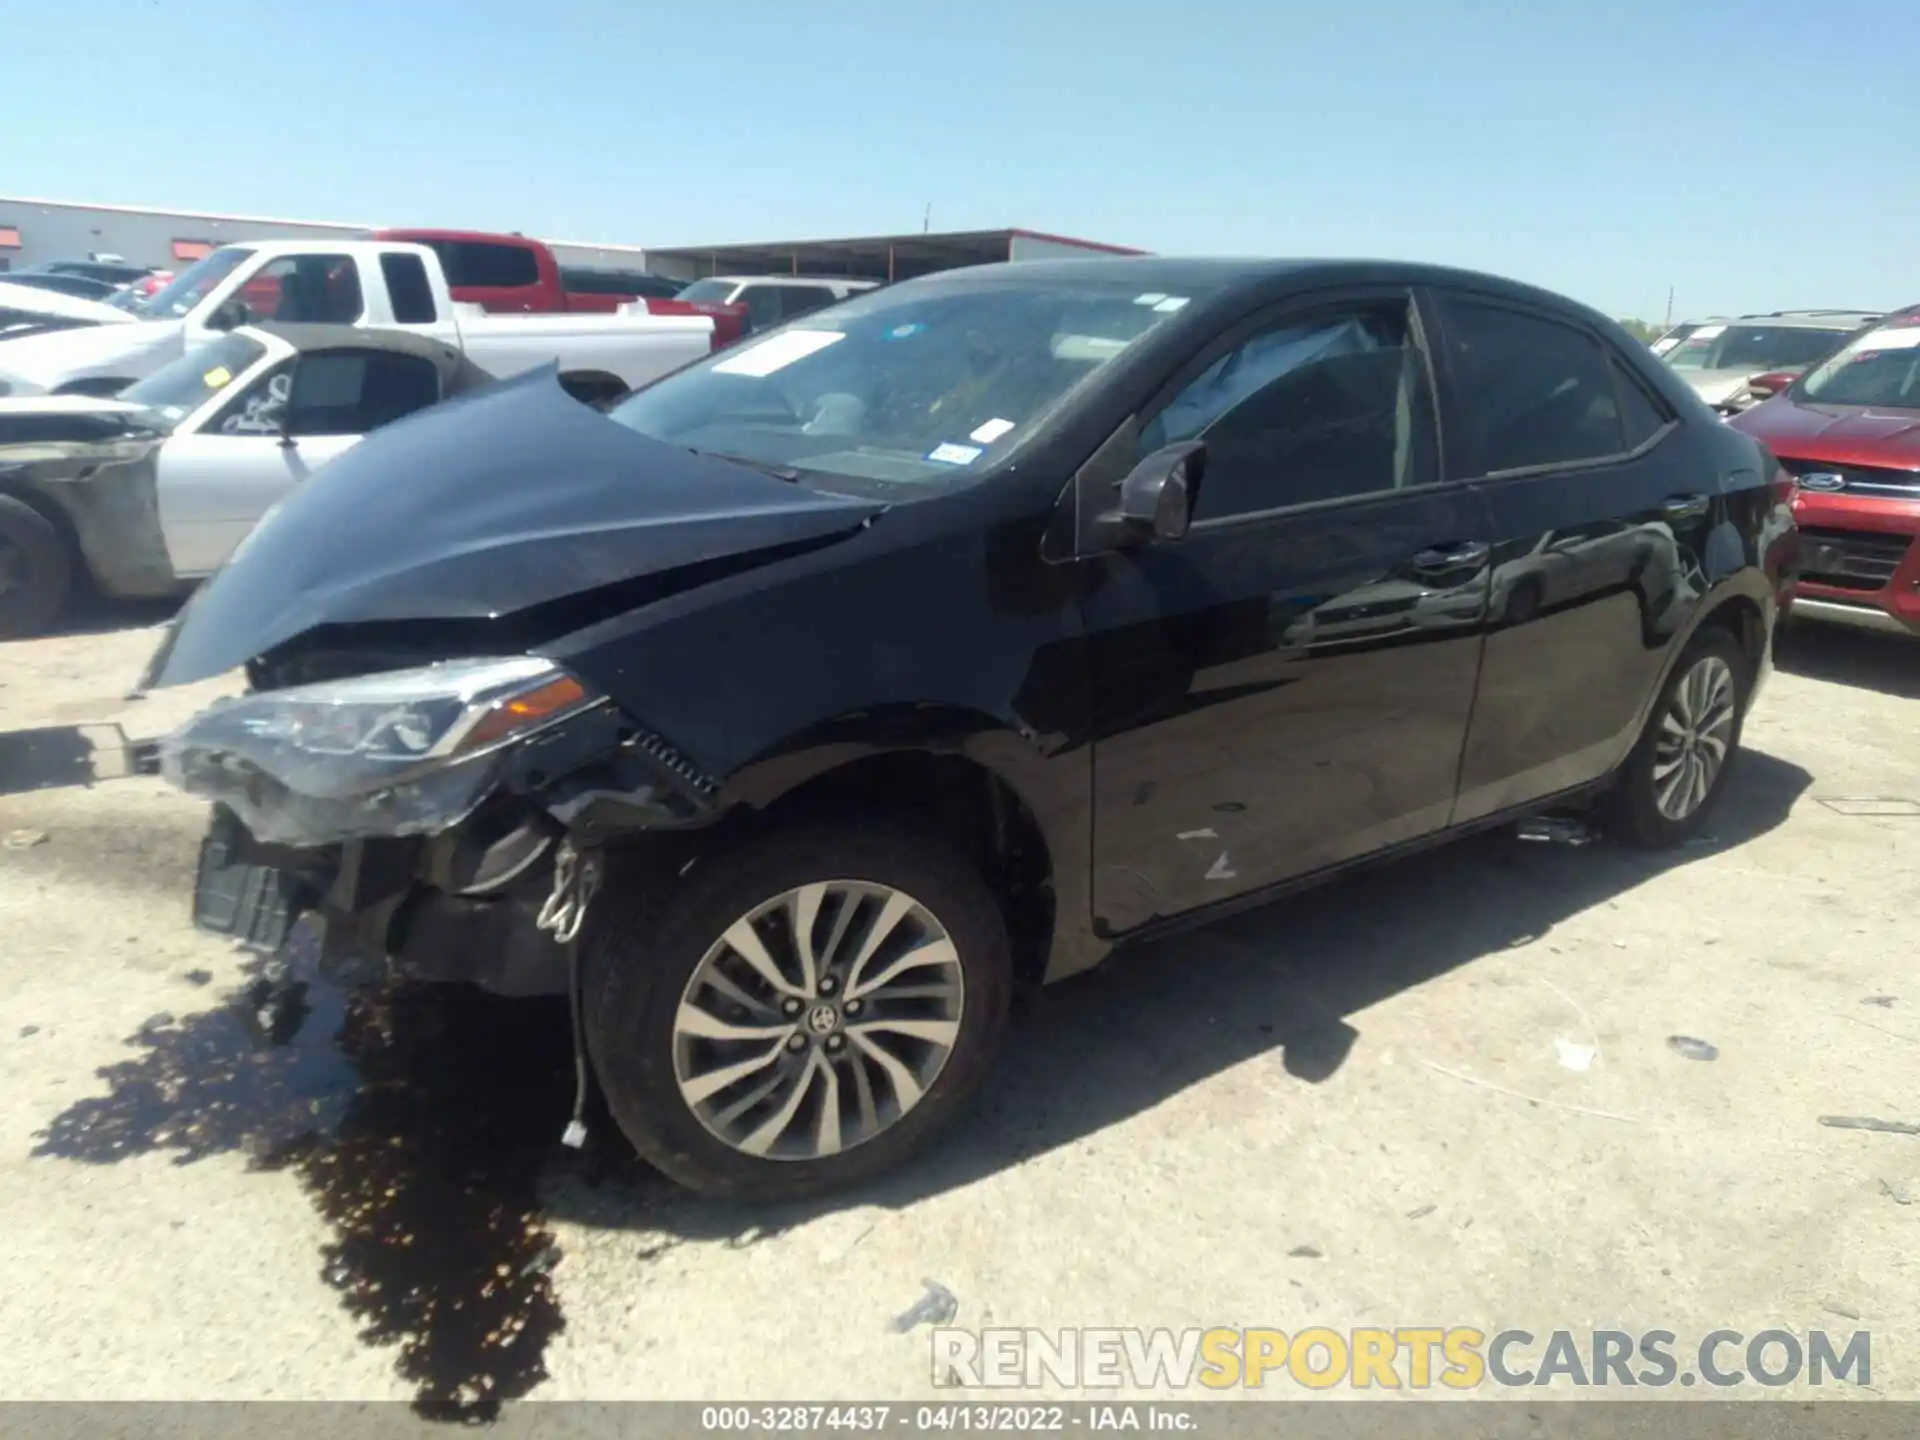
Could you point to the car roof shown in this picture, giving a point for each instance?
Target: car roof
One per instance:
(458, 374)
(1229, 275)
(815, 280)
(1811, 319)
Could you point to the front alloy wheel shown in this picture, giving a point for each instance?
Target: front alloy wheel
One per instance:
(799, 1012)
(819, 1020)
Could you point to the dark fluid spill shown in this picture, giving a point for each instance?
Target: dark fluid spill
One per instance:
(418, 1119)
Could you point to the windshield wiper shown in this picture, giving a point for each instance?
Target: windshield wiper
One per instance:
(765, 467)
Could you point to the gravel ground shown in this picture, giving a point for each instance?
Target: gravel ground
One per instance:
(1357, 1107)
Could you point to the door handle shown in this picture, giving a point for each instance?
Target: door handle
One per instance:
(1683, 507)
(1466, 555)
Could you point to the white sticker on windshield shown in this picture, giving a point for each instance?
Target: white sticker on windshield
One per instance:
(951, 454)
(1707, 332)
(1152, 297)
(991, 431)
(777, 352)
(1170, 304)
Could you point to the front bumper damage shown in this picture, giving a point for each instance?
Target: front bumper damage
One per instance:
(463, 904)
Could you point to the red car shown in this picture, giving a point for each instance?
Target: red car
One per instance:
(1848, 431)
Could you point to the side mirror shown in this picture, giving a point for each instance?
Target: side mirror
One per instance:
(1771, 383)
(227, 315)
(1155, 502)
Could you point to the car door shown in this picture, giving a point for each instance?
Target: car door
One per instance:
(1600, 504)
(1288, 687)
(215, 485)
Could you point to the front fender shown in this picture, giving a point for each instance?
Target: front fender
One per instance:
(1051, 781)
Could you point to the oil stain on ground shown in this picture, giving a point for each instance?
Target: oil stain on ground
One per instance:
(418, 1120)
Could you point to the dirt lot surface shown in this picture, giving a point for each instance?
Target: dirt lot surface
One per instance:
(1446, 1092)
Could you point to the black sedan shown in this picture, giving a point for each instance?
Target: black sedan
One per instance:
(836, 684)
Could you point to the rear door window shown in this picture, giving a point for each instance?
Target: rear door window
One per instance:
(408, 289)
(353, 392)
(1534, 392)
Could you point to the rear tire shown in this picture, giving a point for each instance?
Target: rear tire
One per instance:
(36, 570)
(660, 977)
(1678, 770)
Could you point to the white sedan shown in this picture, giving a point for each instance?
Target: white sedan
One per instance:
(153, 488)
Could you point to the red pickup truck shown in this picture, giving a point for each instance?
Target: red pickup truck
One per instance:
(512, 274)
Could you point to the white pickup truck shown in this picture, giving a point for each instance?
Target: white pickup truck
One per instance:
(383, 284)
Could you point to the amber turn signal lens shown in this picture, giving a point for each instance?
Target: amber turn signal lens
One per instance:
(523, 712)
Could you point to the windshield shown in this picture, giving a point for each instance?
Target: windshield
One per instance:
(900, 385)
(182, 386)
(192, 285)
(707, 290)
(1882, 368)
(1754, 347)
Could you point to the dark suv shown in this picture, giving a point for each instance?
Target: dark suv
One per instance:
(950, 638)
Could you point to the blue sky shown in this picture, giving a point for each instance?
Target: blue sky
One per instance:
(1750, 155)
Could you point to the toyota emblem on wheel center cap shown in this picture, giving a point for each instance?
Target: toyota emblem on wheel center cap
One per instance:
(823, 1019)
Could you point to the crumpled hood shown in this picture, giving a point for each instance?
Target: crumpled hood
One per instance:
(1841, 434)
(29, 427)
(35, 364)
(480, 507)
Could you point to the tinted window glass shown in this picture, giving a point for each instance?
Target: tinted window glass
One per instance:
(765, 305)
(498, 266)
(720, 291)
(801, 299)
(1332, 404)
(407, 289)
(1535, 391)
(1755, 347)
(351, 392)
(1640, 416)
(302, 290)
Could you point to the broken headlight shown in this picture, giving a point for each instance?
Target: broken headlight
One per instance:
(404, 752)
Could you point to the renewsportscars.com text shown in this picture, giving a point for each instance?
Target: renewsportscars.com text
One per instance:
(1409, 1357)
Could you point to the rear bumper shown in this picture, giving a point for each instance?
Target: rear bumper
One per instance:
(1852, 614)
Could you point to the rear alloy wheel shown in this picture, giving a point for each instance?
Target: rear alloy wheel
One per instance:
(36, 573)
(809, 1011)
(1677, 771)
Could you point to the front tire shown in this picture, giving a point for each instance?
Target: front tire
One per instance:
(36, 571)
(799, 1014)
(1677, 772)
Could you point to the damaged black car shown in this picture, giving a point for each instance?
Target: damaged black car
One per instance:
(794, 712)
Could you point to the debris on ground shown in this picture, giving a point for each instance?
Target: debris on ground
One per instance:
(1885, 1002)
(1422, 1212)
(1553, 830)
(937, 1307)
(24, 839)
(1868, 1122)
(1573, 1055)
(1307, 1252)
(198, 977)
(1899, 1194)
(26, 1030)
(1688, 1048)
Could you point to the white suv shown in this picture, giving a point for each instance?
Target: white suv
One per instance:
(771, 299)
